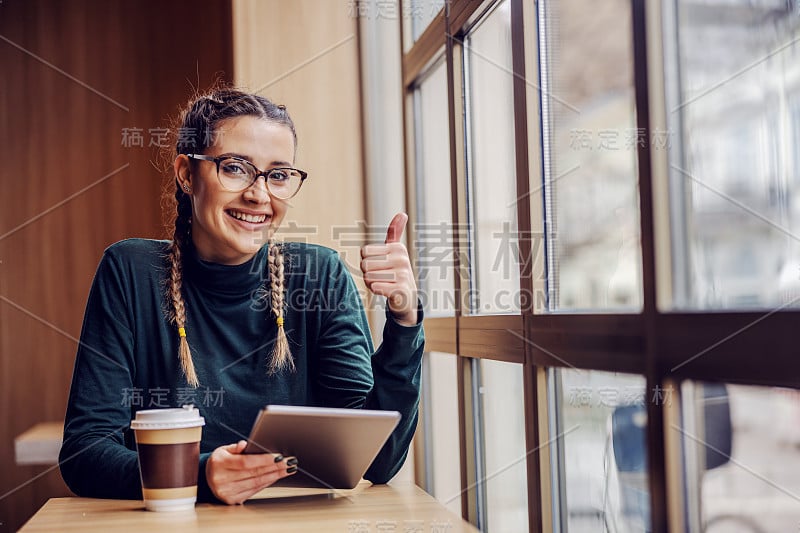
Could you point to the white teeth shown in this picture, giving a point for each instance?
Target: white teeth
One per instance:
(255, 219)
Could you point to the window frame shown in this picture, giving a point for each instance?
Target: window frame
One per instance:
(653, 342)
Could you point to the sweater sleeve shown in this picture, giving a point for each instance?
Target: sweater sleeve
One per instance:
(94, 459)
(396, 371)
(352, 376)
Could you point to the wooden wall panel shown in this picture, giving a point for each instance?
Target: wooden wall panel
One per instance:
(74, 75)
(304, 54)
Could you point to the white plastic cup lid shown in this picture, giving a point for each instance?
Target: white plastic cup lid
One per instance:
(187, 416)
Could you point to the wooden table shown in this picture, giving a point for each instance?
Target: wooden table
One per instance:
(402, 508)
(39, 445)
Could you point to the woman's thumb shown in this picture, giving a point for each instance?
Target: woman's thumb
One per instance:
(236, 447)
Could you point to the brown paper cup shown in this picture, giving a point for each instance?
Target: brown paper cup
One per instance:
(168, 442)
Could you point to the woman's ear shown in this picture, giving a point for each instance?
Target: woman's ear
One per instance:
(183, 173)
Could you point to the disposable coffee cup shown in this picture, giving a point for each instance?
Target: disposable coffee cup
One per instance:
(168, 442)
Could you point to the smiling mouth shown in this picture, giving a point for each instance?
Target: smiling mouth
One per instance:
(253, 219)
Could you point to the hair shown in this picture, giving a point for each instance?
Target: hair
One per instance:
(194, 131)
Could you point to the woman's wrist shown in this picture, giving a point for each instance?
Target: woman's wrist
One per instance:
(406, 319)
(409, 316)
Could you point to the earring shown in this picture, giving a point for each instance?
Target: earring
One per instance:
(185, 187)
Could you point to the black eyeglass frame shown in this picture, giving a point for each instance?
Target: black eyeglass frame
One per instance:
(217, 160)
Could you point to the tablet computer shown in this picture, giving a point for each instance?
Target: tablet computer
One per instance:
(334, 447)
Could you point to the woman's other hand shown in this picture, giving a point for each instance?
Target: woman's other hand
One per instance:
(233, 477)
(387, 272)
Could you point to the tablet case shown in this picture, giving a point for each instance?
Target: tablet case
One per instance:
(334, 447)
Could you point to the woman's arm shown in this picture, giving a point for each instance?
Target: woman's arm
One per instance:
(350, 375)
(396, 371)
(94, 459)
(396, 365)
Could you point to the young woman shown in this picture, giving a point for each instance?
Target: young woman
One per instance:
(224, 317)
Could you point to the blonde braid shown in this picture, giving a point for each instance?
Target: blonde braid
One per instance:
(182, 229)
(281, 353)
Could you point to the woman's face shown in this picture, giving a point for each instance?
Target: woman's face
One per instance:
(218, 235)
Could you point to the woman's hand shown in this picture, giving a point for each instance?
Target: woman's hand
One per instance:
(233, 477)
(387, 272)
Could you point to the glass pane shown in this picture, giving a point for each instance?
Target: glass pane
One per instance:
(434, 228)
(598, 422)
(440, 414)
(490, 164)
(742, 468)
(736, 170)
(503, 435)
(590, 140)
(421, 13)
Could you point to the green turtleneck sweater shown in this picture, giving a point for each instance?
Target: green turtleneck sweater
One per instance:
(128, 358)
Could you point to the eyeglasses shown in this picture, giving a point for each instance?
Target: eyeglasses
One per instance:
(236, 174)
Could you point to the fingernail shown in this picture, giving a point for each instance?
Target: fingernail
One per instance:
(291, 470)
(278, 458)
(291, 461)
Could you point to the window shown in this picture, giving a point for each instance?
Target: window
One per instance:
(434, 230)
(599, 422)
(492, 200)
(503, 430)
(656, 147)
(590, 180)
(742, 472)
(590, 141)
(734, 178)
(440, 416)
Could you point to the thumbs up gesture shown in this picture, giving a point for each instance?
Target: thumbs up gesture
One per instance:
(387, 272)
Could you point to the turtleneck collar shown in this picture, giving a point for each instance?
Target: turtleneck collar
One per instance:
(227, 279)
